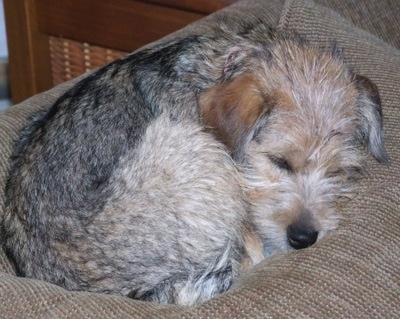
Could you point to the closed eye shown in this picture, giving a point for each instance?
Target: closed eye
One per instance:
(336, 173)
(349, 172)
(280, 163)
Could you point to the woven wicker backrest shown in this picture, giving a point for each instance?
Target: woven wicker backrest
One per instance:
(69, 58)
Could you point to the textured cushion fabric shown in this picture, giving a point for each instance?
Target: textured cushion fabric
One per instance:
(380, 17)
(355, 273)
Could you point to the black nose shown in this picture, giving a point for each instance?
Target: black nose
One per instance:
(301, 236)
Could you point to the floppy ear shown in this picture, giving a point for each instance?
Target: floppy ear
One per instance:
(236, 57)
(233, 111)
(371, 117)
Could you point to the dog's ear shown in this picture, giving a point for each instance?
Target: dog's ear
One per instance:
(231, 60)
(370, 109)
(238, 56)
(233, 111)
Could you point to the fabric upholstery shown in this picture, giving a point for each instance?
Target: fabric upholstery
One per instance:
(355, 273)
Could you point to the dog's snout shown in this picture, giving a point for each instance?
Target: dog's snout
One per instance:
(301, 236)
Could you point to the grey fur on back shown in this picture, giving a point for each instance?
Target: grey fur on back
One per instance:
(117, 189)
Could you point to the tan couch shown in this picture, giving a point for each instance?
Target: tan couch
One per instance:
(353, 274)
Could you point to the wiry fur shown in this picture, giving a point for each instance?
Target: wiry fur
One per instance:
(127, 185)
(296, 125)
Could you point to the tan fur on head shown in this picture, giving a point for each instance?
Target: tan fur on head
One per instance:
(295, 124)
(231, 109)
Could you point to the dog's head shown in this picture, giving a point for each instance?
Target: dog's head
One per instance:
(294, 117)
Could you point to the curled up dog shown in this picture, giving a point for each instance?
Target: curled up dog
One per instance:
(166, 174)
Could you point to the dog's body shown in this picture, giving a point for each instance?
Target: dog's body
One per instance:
(127, 184)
